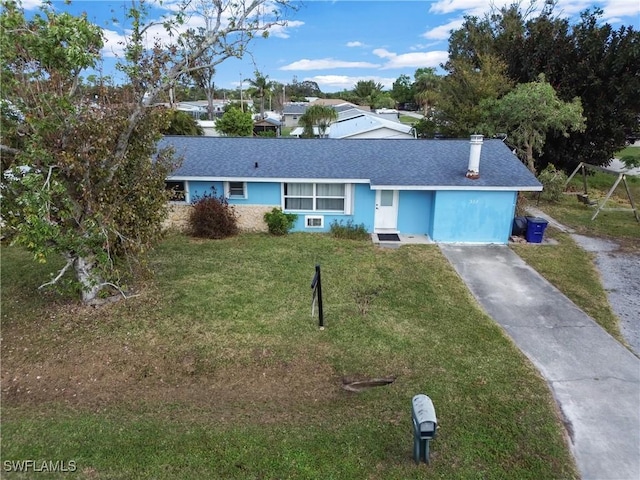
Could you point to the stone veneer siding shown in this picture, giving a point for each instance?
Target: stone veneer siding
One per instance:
(250, 217)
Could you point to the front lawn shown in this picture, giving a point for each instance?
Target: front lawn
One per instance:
(217, 370)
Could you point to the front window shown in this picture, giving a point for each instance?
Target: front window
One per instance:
(314, 196)
(178, 191)
(237, 190)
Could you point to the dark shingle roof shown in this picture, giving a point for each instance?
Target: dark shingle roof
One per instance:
(295, 108)
(418, 163)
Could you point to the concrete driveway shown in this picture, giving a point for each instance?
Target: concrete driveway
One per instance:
(594, 379)
(620, 276)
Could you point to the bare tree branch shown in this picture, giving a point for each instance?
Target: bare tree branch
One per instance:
(60, 274)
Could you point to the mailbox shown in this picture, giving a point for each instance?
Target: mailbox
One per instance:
(425, 425)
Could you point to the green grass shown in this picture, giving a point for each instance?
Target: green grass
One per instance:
(217, 370)
(629, 152)
(408, 119)
(618, 224)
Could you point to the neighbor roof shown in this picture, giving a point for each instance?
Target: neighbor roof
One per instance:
(337, 103)
(295, 108)
(270, 120)
(354, 122)
(384, 163)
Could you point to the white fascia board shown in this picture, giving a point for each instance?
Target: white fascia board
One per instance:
(453, 187)
(181, 178)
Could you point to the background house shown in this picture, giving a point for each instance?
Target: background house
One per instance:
(419, 187)
(356, 123)
(292, 111)
(266, 125)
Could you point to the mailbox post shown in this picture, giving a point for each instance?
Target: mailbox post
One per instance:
(425, 425)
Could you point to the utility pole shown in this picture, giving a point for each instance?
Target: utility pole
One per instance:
(241, 100)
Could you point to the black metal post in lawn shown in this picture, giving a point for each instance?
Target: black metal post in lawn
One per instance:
(316, 285)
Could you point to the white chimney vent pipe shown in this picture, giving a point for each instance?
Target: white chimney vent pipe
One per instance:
(473, 170)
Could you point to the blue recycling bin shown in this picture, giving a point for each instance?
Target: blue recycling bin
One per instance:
(535, 229)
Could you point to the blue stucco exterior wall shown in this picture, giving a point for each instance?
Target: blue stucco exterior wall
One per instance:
(415, 211)
(458, 216)
(258, 193)
(363, 200)
(198, 189)
(364, 205)
(473, 216)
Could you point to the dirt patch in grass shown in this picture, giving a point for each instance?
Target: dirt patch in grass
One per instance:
(627, 245)
(101, 374)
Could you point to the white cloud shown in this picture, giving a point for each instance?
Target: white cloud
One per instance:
(423, 46)
(614, 10)
(326, 63)
(621, 8)
(443, 32)
(355, 44)
(115, 41)
(332, 83)
(571, 8)
(282, 31)
(469, 7)
(114, 44)
(413, 60)
(31, 4)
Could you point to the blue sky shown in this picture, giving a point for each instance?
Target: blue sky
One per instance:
(337, 43)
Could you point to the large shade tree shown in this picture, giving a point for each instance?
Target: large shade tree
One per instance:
(298, 91)
(589, 59)
(463, 91)
(83, 185)
(366, 92)
(402, 90)
(604, 71)
(528, 113)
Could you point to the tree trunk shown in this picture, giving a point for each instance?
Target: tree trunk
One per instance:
(530, 159)
(90, 283)
(210, 93)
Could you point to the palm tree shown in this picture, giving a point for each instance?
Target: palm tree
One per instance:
(261, 87)
(426, 89)
(317, 115)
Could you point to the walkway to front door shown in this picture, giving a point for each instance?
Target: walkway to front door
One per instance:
(403, 240)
